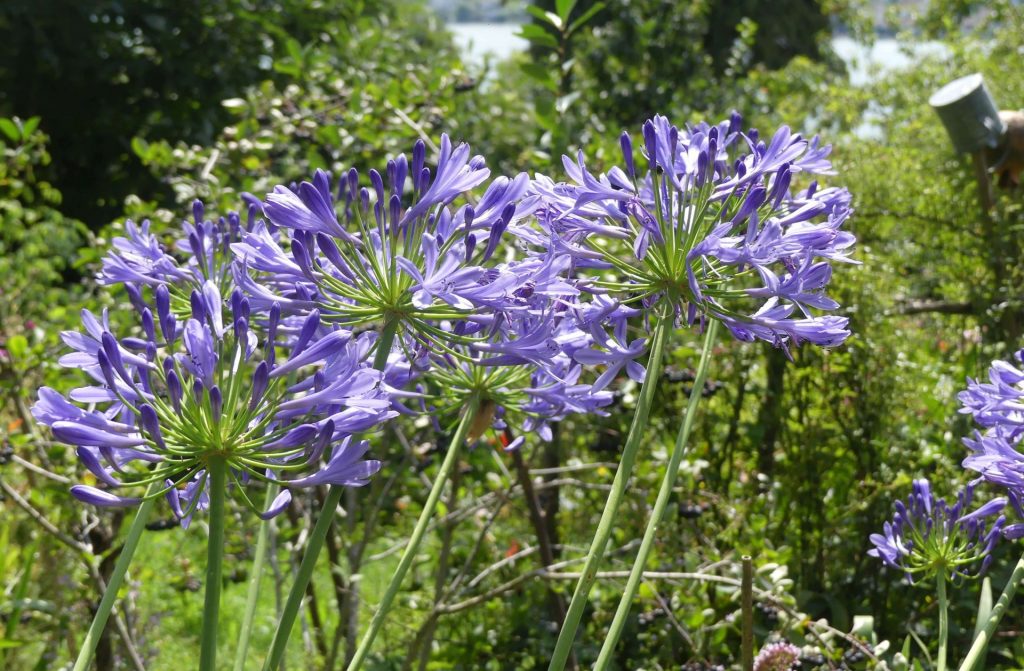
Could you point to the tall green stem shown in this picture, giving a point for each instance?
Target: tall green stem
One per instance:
(254, 584)
(302, 578)
(319, 533)
(981, 641)
(450, 460)
(99, 621)
(667, 483)
(567, 635)
(940, 587)
(217, 469)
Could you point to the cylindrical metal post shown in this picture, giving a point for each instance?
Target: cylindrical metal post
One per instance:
(969, 114)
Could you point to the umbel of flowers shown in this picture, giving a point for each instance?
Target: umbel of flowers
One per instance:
(515, 379)
(183, 397)
(196, 404)
(712, 225)
(995, 454)
(715, 228)
(998, 407)
(931, 539)
(486, 337)
(403, 255)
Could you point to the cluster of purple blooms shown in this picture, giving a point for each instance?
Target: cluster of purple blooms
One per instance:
(928, 536)
(714, 228)
(247, 348)
(998, 407)
(206, 386)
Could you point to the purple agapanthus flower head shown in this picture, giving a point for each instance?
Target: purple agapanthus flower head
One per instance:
(184, 391)
(998, 407)
(140, 259)
(929, 537)
(717, 227)
(999, 403)
(408, 251)
(522, 368)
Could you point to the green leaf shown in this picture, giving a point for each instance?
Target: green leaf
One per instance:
(17, 346)
(563, 104)
(29, 126)
(549, 18)
(545, 111)
(141, 148)
(587, 15)
(539, 73)
(294, 49)
(10, 130)
(7, 643)
(564, 8)
(287, 68)
(538, 36)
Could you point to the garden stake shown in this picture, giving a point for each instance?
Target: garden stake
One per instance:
(747, 595)
(668, 482)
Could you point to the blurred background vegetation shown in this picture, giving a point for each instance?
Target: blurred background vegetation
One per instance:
(111, 109)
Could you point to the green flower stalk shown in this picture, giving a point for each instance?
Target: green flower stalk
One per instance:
(713, 232)
(929, 539)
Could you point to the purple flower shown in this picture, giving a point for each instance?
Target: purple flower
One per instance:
(997, 459)
(170, 401)
(140, 259)
(928, 535)
(346, 467)
(615, 353)
(521, 367)
(402, 250)
(998, 407)
(999, 403)
(455, 175)
(716, 228)
(439, 280)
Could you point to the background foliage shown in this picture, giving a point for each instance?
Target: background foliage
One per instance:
(134, 109)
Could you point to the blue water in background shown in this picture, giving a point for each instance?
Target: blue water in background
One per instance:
(499, 40)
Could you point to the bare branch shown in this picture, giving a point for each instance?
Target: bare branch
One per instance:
(940, 307)
(46, 524)
(28, 465)
(574, 468)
